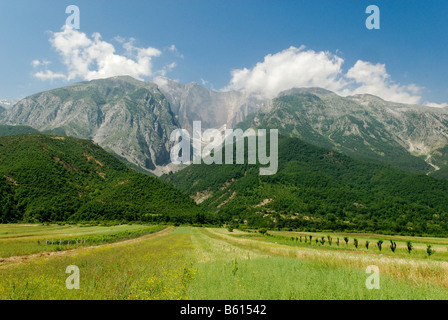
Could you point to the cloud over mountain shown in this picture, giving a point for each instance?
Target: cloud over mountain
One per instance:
(90, 58)
(299, 67)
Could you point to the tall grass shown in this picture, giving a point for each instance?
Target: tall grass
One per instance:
(156, 268)
(414, 270)
(283, 278)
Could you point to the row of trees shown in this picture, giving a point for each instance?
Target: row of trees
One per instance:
(322, 240)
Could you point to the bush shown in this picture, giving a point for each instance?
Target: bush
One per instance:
(393, 246)
(410, 247)
(379, 244)
(429, 250)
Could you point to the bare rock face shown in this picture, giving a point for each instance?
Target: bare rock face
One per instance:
(215, 109)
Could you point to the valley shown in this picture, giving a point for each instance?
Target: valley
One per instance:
(85, 181)
(223, 159)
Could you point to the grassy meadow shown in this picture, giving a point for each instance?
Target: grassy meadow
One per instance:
(214, 263)
(25, 239)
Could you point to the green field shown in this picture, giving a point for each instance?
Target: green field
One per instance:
(213, 263)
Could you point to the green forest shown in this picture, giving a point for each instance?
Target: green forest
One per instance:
(52, 178)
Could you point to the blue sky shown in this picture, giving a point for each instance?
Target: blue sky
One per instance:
(219, 44)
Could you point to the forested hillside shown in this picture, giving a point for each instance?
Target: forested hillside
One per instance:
(319, 189)
(55, 178)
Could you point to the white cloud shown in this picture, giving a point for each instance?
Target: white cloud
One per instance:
(373, 79)
(91, 58)
(38, 63)
(297, 67)
(50, 75)
(176, 52)
(436, 105)
(293, 67)
(165, 69)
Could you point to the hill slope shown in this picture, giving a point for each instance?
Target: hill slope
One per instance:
(317, 188)
(52, 178)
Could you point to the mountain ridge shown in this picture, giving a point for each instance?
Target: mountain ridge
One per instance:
(363, 126)
(133, 119)
(128, 117)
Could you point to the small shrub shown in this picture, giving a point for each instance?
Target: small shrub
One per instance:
(429, 250)
(379, 244)
(393, 246)
(410, 247)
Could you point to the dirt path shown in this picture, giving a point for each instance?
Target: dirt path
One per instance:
(6, 262)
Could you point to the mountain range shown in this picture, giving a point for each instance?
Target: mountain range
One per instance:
(410, 137)
(134, 119)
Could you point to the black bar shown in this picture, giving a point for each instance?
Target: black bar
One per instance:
(221, 309)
